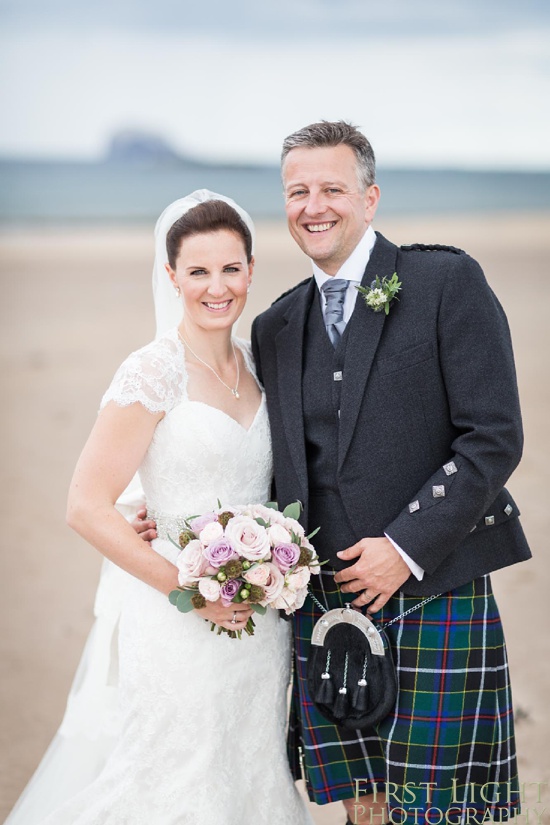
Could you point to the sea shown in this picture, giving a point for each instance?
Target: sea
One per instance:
(125, 191)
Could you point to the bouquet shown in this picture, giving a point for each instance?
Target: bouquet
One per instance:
(252, 554)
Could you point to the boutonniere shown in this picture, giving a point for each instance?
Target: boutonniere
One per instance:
(381, 293)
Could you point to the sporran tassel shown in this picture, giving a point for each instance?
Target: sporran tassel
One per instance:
(325, 692)
(360, 694)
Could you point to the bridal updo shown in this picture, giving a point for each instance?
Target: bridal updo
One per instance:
(210, 216)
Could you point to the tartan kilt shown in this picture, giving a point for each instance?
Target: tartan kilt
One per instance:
(452, 724)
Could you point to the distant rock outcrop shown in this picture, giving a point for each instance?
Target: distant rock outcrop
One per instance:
(134, 145)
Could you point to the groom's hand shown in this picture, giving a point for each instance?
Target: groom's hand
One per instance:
(145, 528)
(378, 572)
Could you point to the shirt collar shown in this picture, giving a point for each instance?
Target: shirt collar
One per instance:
(354, 268)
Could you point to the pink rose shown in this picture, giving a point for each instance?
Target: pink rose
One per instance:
(299, 579)
(212, 531)
(197, 524)
(286, 556)
(248, 538)
(229, 590)
(210, 589)
(191, 563)
(278, 534)
(259, 574)
(219, 552)
(274, 584)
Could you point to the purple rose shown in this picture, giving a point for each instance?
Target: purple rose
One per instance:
(219, 552)
(197, 524)
(285, 556)
(229, 590)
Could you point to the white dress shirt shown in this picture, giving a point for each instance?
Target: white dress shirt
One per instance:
(352, 270)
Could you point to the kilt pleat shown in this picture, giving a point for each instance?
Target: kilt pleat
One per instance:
(452, 726)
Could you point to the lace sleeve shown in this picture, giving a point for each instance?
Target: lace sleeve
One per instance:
(153, 376)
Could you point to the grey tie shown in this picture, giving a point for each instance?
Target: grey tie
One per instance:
(335, 293)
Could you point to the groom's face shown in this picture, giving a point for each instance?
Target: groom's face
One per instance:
(328, 211)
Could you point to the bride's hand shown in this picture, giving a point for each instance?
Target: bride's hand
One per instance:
(223, 616)
(144, 527)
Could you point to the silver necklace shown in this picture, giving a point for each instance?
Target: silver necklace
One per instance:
(234, 391)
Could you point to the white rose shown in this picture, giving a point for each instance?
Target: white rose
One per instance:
(299, 579)
(259, 574)
(285, 601)
(294, 526)
(278, 534)
(267, 514)
(211, 532)
(289, 601)
(210, 589)
(301, 596)
(240, 510)
(191, 563)
(315, 567)
(248, 538)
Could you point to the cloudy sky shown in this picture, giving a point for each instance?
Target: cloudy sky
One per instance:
(462, 83)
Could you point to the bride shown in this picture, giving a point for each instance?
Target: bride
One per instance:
(197, 733)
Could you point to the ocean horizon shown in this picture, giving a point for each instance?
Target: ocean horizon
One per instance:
(127, 191)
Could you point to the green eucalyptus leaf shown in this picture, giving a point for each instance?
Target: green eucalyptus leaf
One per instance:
(261, 522)
(258, 608)
(293, 510)
(184, 603)
(314, 533)
(173, 597)
(272, 505)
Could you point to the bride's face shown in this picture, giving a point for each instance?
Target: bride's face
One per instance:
(213, 275)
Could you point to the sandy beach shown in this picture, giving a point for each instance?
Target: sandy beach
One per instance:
(75, 303)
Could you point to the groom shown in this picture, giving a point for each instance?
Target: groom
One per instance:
(397, 431)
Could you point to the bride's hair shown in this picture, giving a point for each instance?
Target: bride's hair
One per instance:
(210, 216)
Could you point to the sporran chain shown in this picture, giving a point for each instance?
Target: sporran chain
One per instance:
(392, 621)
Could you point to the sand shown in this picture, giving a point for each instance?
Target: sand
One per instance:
(75, 302)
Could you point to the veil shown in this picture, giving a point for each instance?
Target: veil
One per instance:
(89, 727)
(168, 306)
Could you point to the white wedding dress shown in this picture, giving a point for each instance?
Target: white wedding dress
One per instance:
(192, 731)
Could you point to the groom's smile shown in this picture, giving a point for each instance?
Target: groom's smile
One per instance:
(328, 210)
(320, 227)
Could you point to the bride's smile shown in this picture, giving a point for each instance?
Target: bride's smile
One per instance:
(213, 275)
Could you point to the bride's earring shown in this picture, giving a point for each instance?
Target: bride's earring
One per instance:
(177, 291)
(248, 289)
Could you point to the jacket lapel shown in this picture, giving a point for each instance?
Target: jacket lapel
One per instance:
(289, 344)
(365, 329)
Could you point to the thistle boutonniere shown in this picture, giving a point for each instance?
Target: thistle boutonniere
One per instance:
(381, 293)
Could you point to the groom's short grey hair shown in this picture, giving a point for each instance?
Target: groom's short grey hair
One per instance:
(336, 133)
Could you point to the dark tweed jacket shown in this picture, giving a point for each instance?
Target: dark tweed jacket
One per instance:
(430, 426)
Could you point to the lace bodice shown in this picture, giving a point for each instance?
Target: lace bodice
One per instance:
(198, 453)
